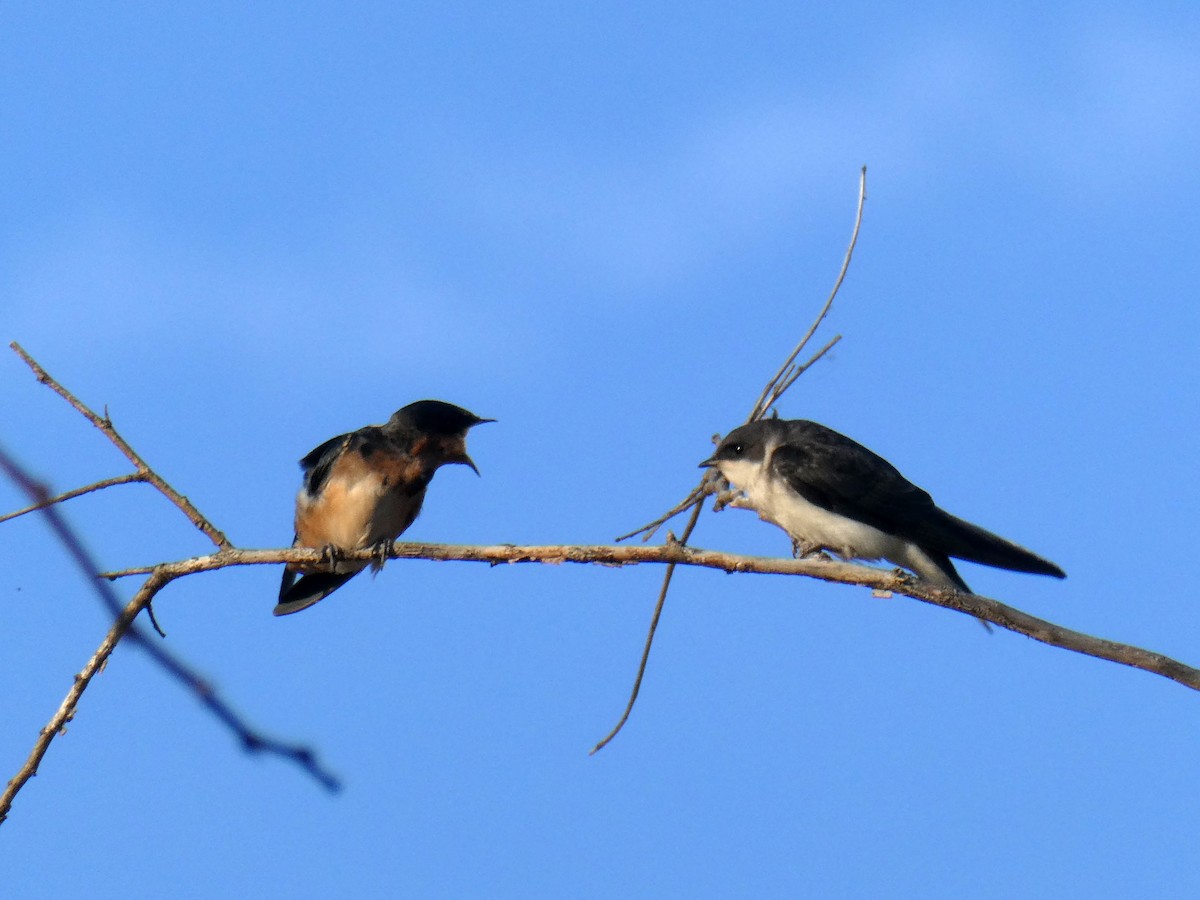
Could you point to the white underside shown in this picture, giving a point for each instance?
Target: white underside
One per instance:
(813, 528)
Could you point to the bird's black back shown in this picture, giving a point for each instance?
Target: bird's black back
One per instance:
(838, 474)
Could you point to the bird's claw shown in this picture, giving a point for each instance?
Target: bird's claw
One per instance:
(727, 497)
(808, 550)
(331, 556)
(381, 551)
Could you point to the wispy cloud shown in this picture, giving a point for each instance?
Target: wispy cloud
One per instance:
(109, 276)
(1100, 115)
(1115, 113)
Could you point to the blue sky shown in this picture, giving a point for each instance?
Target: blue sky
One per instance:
(247, 230)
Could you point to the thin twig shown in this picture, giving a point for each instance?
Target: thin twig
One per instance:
(800, 370)
(783, 379)
(78, 492)
(154, 621)
(658, 608)
(66, 709)
(770, 391)
(712, 482)
(647, 531)
(147, 474)
(123, 627)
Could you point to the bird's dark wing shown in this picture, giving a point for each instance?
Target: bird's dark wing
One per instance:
(319, 462)
(835, 473)
(832, 471)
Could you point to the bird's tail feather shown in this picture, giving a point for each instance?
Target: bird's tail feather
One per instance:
(289, 578)
(963, 540)
(308, 590)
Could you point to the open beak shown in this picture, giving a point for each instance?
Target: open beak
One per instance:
(466, 461)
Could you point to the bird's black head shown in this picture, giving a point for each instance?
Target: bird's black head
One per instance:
(434, 417)
(745, 444)
(435, 431)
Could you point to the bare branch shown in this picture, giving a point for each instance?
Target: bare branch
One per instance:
(144, 471)
(672, 554)
(123, 627)
(78, 492)
(678, 554)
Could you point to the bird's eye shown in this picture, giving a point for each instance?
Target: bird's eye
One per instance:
(736, 449)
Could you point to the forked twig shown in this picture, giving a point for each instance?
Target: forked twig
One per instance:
(711, 482)
(783, 379)
(143, 471)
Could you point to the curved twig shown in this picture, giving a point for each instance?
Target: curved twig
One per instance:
(782, 379)
(712, 482)
(658, 608)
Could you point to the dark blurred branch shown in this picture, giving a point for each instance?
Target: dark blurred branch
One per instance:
(123, 627)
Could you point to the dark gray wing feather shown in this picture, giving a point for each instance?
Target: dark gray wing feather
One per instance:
(318, 463)
(838, 474)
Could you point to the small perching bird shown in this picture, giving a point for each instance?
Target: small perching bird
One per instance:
(831, 493)
(363, 489)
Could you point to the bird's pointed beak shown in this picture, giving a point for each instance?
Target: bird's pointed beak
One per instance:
(709, 463)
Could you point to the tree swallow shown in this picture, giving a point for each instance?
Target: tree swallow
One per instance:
(831, 493)
(363, 489)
